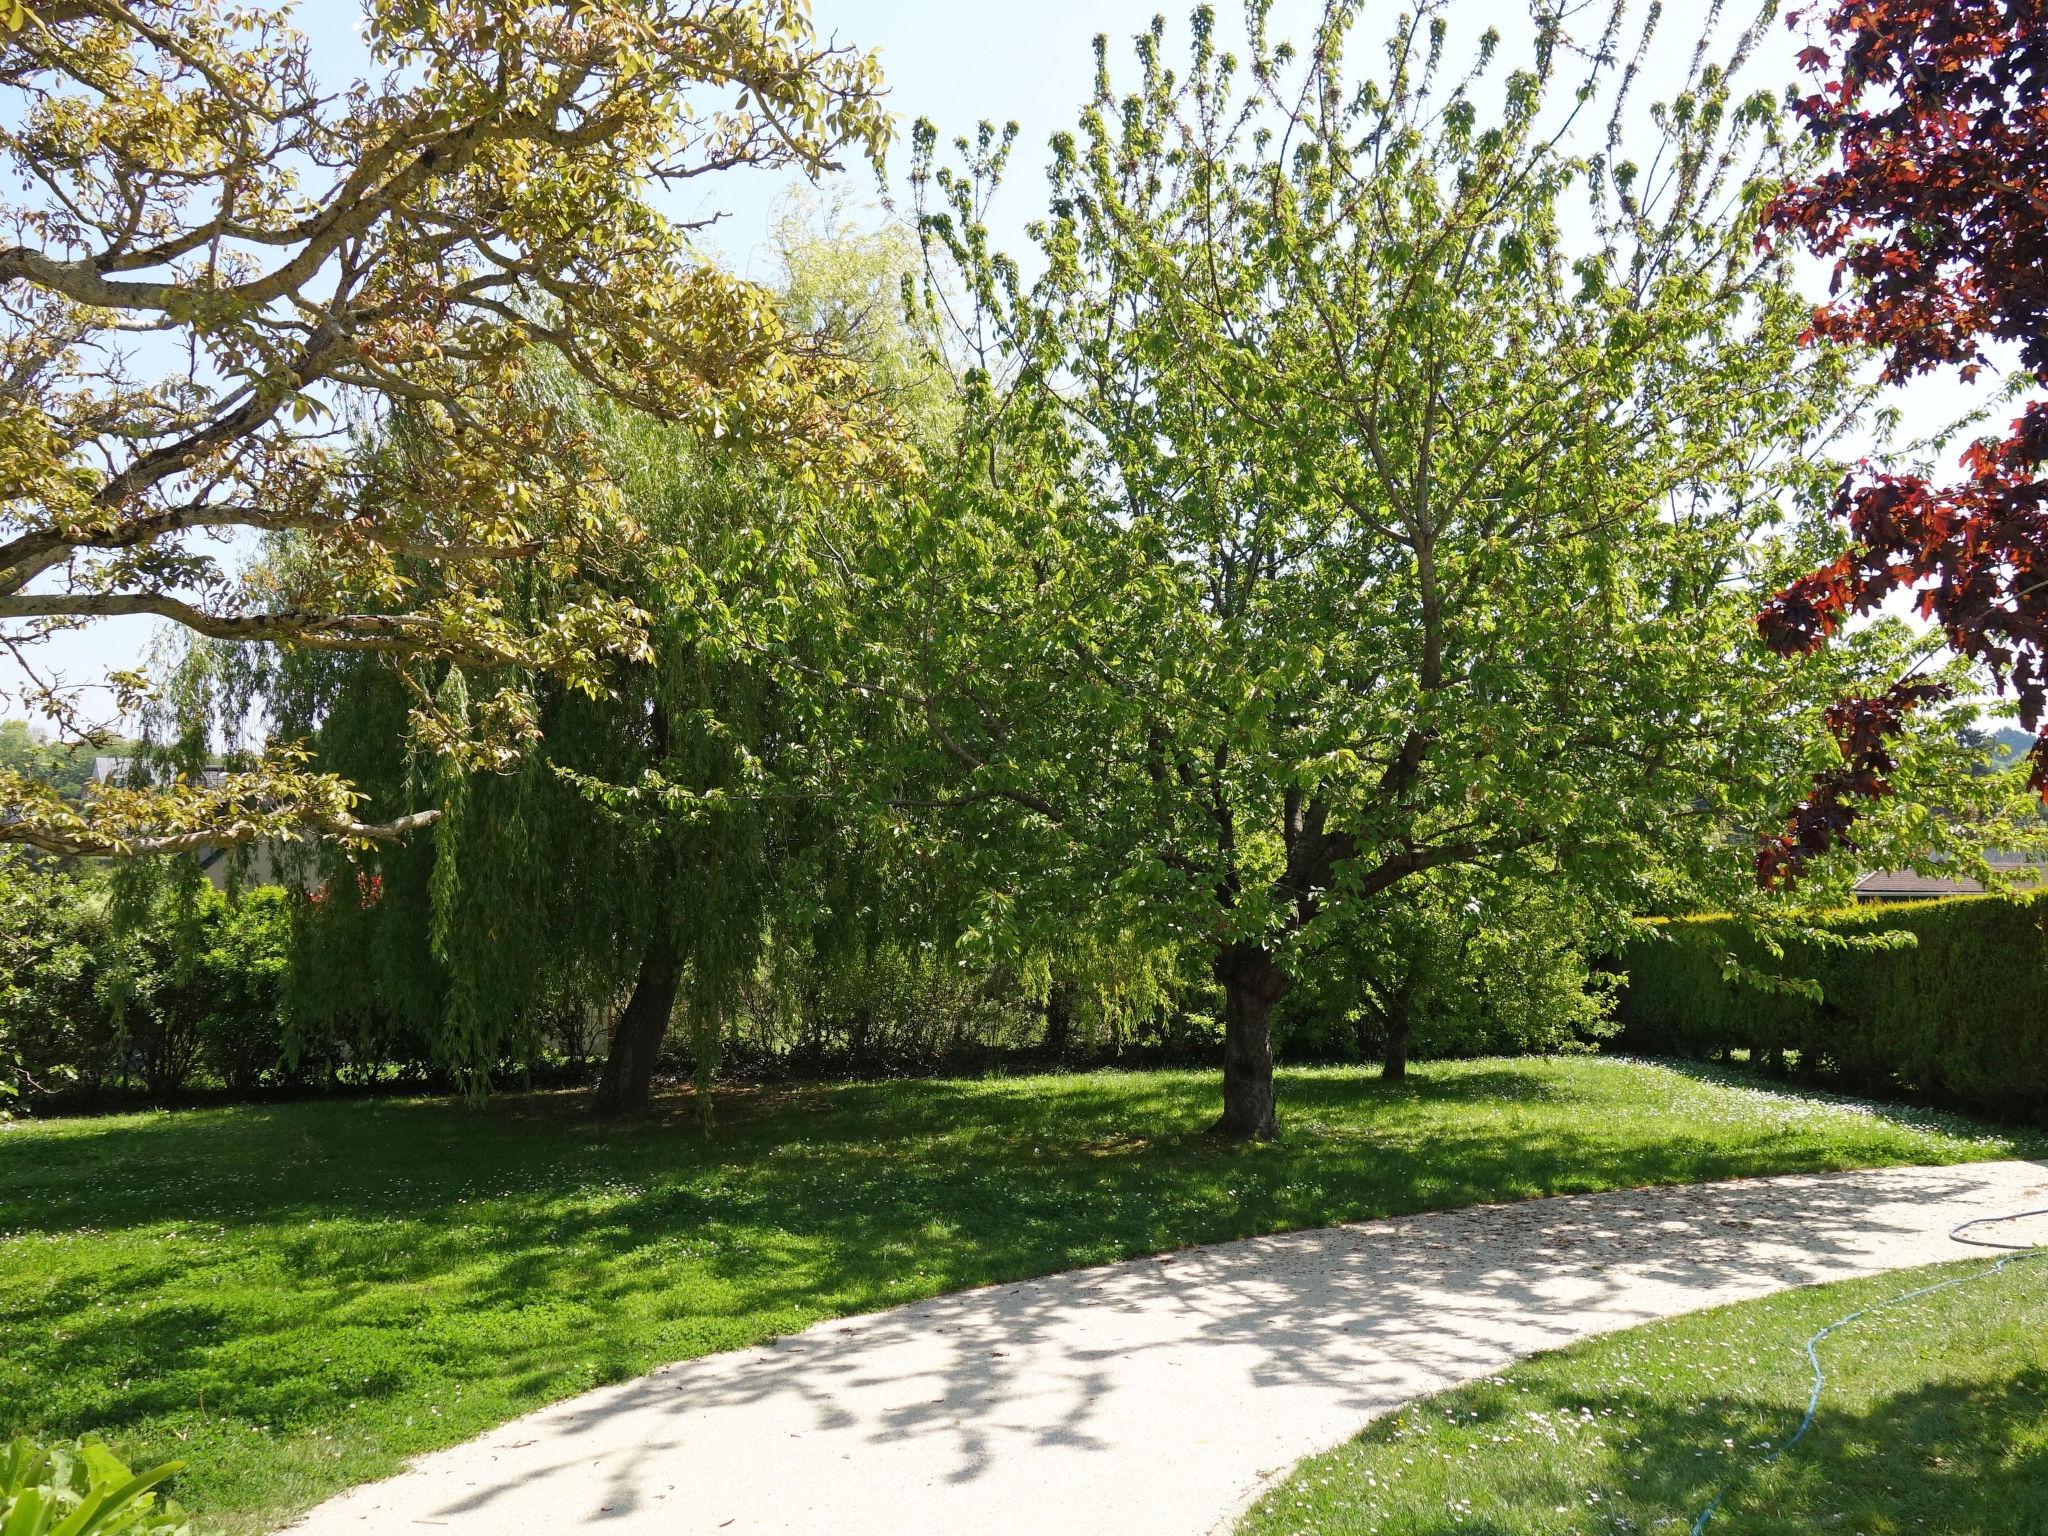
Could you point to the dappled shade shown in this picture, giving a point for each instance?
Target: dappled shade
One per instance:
(298, 1297)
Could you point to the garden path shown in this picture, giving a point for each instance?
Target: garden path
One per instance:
(1161, 1394)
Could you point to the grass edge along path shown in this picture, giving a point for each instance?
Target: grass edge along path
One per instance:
(1931, 1416)
(296, 1298)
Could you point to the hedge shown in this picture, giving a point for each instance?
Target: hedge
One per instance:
(1961, 1013)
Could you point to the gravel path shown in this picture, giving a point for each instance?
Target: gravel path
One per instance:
(1157, 1395)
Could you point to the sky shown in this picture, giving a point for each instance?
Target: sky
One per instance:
(959, 62)
(962, 62)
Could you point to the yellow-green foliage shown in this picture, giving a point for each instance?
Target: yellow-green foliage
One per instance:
(1960, 1010)
(83, 1489)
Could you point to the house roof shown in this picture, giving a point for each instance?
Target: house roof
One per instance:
(1909, 885)
(1904, 883)
(127, 771)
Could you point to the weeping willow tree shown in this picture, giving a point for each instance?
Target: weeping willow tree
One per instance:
(638, 855)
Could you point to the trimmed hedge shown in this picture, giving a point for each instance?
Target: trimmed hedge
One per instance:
(1961, 1013)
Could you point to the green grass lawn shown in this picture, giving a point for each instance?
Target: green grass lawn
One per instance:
(296, 1298)
(1933, 1418)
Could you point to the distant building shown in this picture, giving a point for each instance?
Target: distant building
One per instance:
(1890, 885)
(263, 865)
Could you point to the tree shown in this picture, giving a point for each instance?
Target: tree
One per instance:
(667, 828)
(224, 271)
(1328, 515)
(635, 851)
(1466, 963)
(1934, 215)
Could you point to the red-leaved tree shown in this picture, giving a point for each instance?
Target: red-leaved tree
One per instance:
(1936, 215)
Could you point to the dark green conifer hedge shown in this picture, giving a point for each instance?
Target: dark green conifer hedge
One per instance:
(1958, 1012)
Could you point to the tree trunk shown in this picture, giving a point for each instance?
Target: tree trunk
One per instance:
(1394, 1059)
(1252, 984)
(707, 1033)
(1059, 1021)
(627, 1082)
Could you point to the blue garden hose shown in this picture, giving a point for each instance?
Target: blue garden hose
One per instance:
(2016, 1253)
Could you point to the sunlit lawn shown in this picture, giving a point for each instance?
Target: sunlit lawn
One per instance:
(1933, 1418)
(295, 1298)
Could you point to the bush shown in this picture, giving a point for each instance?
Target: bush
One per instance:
(153, 980)
(1447, 976)
(238, 978)
(895, 1010)
(1956, 1006)
(53, 946)
(81, 1488)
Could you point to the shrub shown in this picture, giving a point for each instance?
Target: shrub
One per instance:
(1955, 1006)
(80, 1488)
(53, 947)
(1506, 976)
(153, 987)
(882, 1010)
(153, 978)
(238, 977)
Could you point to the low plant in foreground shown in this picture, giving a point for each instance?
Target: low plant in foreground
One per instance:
(81, 1488)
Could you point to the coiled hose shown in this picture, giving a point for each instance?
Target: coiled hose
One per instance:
(2017, 1252)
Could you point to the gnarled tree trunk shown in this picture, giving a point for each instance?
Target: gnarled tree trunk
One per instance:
(627, 1082)
(1252, 984)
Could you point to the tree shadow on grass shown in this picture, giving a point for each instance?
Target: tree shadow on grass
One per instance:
(968, 1389)
(371, 1252)
(427, 1159)
(1903, 1113)
(1954, 1457)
